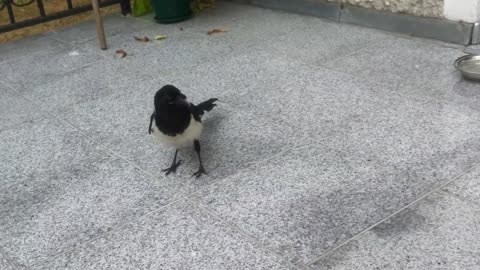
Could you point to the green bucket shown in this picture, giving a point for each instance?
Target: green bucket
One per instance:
(171, 11)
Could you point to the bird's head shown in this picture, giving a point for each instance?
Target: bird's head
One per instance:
(169, 97)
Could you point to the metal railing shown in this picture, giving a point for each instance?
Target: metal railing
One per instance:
(44, 16)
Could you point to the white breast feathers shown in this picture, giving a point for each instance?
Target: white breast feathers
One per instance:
(193, 132)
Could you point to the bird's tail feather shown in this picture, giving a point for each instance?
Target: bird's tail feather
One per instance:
(206, 106)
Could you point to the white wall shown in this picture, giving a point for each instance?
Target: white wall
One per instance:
(462, 10)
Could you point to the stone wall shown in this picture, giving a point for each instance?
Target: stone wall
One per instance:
(424, 8)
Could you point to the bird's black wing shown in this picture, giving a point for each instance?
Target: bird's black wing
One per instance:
(200, 109)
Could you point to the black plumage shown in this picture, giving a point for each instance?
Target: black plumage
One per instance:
(178, 123)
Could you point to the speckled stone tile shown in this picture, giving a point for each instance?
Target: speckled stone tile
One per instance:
(4, 265)
(114, 25)
(89, 83)
(181, 237)
(451, 89)
(300, 37)
(246, 79)
(467, 188)
(16, 109)
(437, 233)
(260, 28)
(434, 140)
(315, 41)
(37, 149)
(173, 54)
(399, 60)
(62, 190)
(26, 46)
(135, 48)
(309, 200)
(276, 86)
(26, 72)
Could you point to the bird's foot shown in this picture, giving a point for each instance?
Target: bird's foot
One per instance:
(200, 172)
(172, 168)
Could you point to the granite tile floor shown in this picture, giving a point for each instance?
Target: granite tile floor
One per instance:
(333, 147)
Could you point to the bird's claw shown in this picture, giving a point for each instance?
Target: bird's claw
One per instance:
(172, 168)
(200, 172)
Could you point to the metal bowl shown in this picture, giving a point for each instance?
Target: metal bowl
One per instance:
(469, 66)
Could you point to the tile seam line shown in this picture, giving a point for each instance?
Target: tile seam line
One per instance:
(366, 46)
(65, 72)
(9, 261)
(167, 72)
(183, 198)
(424, 100)
(128, 67)
(83, 133)
(33, 53)
(413, 203)
(88, 136)
(372, 45)
(246, 236)
(161, 208)
(118, 155)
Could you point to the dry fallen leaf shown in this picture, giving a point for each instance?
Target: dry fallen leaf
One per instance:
(216, 31)
(120, 53)
(144, 39)
(160, 37)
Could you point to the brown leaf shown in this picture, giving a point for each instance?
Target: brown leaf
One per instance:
(216, 31)
(144, 39)
(120, 53)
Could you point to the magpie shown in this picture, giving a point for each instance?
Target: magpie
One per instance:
(178, 123)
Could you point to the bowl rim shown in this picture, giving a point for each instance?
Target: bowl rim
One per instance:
(462, 59)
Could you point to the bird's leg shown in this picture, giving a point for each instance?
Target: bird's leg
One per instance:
(201, 169)
(174, 166)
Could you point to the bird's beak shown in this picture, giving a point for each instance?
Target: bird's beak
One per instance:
(180, 101)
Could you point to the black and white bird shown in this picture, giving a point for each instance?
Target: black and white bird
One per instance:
(178, 123)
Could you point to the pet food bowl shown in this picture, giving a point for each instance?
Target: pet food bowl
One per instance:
(469, 66)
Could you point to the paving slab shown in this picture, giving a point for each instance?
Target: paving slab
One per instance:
(10, 115)
(421, 136)
(4, 264)
(400, 60)
(181, 237)
(114, 25)
(26, 72)
(309, 200)
(436, 233)
(317, 42)
(62, 189)
(89, 83)
(451, 89)
(174, 54)
(27, 46)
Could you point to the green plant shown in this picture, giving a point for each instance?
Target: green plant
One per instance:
(141, 7)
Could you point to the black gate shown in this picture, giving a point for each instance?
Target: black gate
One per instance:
(44, 17)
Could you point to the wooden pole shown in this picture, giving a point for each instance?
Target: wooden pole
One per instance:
(99, 22)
